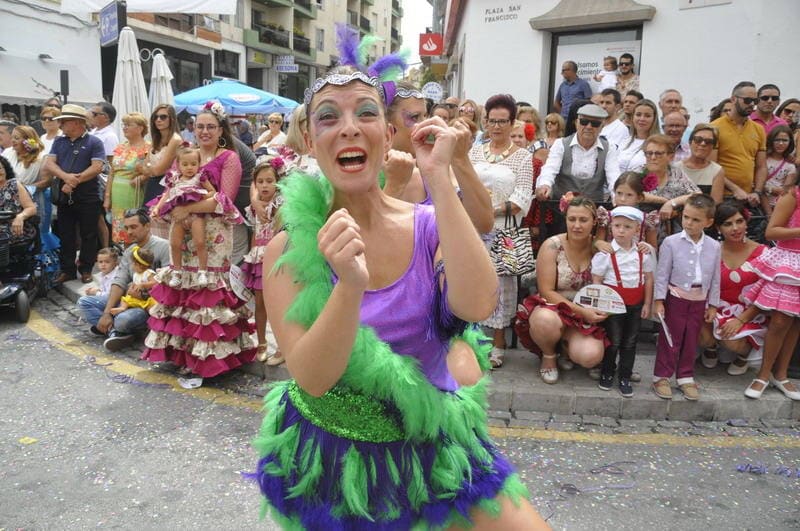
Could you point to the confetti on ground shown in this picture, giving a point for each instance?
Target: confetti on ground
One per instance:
(28, 440)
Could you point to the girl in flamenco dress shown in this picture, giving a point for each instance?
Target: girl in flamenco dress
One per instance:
(266, 175)
(778, 291)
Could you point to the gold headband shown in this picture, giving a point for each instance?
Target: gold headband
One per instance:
(139, 258)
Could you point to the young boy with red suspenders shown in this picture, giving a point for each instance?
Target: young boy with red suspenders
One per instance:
(630, 272)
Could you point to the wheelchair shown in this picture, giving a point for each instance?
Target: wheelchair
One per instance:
(22, 272)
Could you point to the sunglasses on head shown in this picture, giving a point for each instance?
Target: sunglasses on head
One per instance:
(768, 98)
(161, 116)
(593, 123)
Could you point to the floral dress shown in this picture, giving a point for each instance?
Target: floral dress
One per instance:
(779, 172)
(264, 232)
(123, 195)
(568, 283)
(204, 327)
(9, 200)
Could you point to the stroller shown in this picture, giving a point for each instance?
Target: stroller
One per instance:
(22, 271)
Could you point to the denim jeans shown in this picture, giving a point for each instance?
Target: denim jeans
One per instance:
(128, 322)
(622, 331)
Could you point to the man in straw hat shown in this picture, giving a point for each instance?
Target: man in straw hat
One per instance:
(75, 161)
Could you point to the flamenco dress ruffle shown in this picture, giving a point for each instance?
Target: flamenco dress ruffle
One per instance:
(565, 313)
(205, 328)
(252, 268)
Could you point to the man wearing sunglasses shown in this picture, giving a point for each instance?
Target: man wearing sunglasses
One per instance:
(583, 162)
(742, 145)
(626, 79)
(769, 96)
(571, 89)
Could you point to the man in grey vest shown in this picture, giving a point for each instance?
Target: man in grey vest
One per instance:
(582, 163)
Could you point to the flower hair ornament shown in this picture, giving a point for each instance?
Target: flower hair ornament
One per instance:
(215, 108)
(276, 162)
(649, 182)
(566, 199)
(30, 145)
(354, 52)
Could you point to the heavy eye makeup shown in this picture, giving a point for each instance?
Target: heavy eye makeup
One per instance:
(410, 119)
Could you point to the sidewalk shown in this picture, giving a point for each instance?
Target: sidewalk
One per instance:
(517, 387)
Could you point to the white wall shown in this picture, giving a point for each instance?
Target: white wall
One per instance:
(73, 44)
(702, 52)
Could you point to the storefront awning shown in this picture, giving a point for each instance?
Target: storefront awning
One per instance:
(29, 80)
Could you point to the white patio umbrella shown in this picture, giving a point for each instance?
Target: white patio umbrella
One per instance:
(160, 83)
(129, 90)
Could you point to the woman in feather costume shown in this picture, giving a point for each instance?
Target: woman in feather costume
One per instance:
(373, 432)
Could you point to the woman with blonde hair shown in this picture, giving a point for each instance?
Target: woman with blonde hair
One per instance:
(26, 157)
(272, 137)
(645, 125)
(51, 129)
(125, 188)
(473, 111)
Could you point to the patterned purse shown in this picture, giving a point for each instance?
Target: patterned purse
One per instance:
(511, 251)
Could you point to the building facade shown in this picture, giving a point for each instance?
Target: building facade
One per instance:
(700, 47)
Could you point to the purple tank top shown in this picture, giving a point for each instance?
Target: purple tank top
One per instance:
(402, 313)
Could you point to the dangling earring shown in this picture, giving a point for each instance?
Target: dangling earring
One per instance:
(222, 142)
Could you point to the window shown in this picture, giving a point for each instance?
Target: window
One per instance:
(320, 40)
(226, 64)
(321, 4)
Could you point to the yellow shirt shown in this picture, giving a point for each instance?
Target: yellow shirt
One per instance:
(737, 149)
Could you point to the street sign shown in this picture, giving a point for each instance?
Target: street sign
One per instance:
(284, 60)
(433, 90)
(112, 20)
(287, 69)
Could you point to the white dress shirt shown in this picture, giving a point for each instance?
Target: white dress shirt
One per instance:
(616, 133)
(584, 163)
(697, 248)
(628, 263)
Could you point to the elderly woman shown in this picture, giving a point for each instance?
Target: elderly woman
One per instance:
(273, 136)
(506, 170)
(645, 124)
(698, 167)
(673, 187)
(550, 322)
(15, 198)
(362, 308)
(203, 328)
(51, 129)
(739, 328)
(125, 188)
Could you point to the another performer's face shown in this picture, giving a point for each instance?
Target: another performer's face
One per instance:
(348, 135)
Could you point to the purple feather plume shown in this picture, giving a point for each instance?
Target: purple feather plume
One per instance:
(387, 62)
(347, 43)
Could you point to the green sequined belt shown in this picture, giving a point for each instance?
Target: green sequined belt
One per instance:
(348, 414)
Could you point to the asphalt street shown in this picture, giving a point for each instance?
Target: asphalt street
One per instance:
(91, 440)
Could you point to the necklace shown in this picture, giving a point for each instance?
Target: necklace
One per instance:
(491, 157)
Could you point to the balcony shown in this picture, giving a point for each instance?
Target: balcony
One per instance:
(396, 9)
(364, 24)
(268, 39)
(370, 2)
(301, 44)
(275, 3)
(305, 9)
(395, 35)
(352, 19)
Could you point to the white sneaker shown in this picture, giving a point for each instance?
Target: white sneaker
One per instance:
(175, 279)
(202, 278)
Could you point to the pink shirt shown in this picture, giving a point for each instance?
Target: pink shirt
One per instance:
(768, 126)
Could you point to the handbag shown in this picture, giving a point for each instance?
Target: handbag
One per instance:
(511, 251)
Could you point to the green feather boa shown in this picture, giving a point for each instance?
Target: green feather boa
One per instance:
(456, 422)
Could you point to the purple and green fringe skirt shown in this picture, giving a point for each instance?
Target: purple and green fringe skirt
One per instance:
(342, 461)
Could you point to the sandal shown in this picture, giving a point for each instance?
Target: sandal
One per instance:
(261, 352)
(496, 357)
(276, 359)
(738, 366)
(549, 376)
